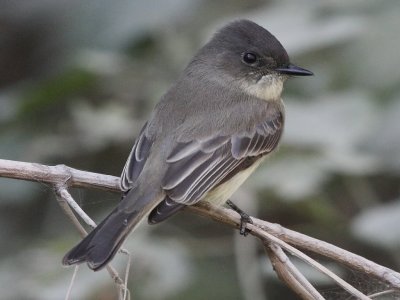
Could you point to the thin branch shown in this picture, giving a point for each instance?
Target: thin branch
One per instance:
(383, 293)
(63, 175)
(62, 192)
(228, 217)
(59, 174)
(65, 200)
(346, 286)
(71, 284)
(289, 274)
(126, 293)
(68, 211)
(333, 252)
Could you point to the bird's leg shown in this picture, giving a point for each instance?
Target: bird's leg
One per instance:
(244, 218)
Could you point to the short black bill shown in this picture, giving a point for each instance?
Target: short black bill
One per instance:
(294, 71)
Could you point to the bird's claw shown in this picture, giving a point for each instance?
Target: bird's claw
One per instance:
(244, 218)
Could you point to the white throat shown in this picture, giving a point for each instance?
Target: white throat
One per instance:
(268, 88)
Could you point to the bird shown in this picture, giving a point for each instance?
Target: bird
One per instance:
(214, 126)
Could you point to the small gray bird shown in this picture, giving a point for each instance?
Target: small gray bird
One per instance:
(208, 133)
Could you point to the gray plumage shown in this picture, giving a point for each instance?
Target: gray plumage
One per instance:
(213, 127)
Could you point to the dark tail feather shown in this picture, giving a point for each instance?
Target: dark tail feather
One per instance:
(103, 242)
(164, 210)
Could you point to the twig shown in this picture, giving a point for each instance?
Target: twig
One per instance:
(289, 274)
(71, 284)
(228, 217)
(64, 197)
(63, 175)
(59, 174)
(69, 213)
(62, 192)
(348, 287)
(387, 292)
(333, 252)
(126, 293)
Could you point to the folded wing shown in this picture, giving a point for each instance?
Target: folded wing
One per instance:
(198, 166)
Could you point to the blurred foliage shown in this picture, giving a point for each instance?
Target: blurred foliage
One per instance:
(41, 98)
(78, 80)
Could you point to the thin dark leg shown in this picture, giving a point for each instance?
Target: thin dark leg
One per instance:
(244, 218)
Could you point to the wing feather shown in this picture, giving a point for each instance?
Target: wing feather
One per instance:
(179, 171)
(196, 167)
(213, 180)
(136, 160)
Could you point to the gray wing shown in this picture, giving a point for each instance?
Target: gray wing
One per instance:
(196, 167)
(136, 160)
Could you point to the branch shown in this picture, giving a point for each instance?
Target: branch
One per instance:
(265, 236)
(65, 199)
(63, 176)
(303, 241)
(289, 274)
(60, 174)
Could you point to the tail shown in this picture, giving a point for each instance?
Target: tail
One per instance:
(103, 242)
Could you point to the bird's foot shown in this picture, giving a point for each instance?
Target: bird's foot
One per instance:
(244, 218)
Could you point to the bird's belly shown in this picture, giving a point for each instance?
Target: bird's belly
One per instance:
(223, 192)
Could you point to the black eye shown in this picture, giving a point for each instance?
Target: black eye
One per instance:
(249, 58)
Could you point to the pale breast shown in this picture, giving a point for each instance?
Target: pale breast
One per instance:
(224, 191)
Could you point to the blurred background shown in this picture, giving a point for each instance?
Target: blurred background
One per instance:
(79, 78)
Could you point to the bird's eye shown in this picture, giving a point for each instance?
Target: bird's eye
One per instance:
(249, 58)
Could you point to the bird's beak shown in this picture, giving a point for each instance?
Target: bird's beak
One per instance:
(294, 71)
